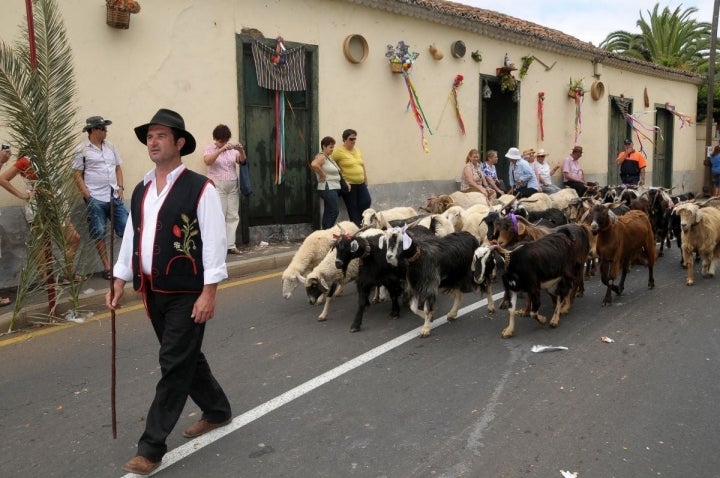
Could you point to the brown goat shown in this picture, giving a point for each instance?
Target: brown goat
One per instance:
(620, 240)
(512, 229)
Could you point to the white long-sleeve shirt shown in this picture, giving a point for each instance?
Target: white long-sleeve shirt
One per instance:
(210, 221)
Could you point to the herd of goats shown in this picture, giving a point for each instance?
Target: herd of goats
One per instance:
(462, 242)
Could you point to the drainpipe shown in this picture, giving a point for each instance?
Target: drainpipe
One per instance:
(707, 179)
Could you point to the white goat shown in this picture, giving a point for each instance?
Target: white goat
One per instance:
(700, 231)
(536, 202)
(313, 250)
(563, 199)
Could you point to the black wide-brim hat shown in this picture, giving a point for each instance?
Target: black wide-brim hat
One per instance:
(173, 120)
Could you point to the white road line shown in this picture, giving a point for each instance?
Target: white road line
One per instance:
(173, 456)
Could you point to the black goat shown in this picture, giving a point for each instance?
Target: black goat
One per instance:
(553, 262)
(430, 263)
(373, 270)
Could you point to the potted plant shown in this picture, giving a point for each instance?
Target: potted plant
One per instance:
(118, 12)
(400, 57)
(576, 88)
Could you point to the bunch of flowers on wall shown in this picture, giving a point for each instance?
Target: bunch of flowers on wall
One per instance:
(400, 57)
(130, 6)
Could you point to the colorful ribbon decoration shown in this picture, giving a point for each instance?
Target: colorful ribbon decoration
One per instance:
(637, 126)
(453, 95)
(541, 103)
(684, 119)
(414, 105)
(279, 136)
(578, 114)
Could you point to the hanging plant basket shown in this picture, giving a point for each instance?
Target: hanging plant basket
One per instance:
(117, 18)
(396, 67)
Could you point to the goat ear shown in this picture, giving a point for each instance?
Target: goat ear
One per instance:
(613, 217)
(354, 246)
(698, 216)
(301, 278)
(381, 242)
(323, 283)
(520, 228)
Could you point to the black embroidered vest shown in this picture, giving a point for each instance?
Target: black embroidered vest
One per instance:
(177, 265)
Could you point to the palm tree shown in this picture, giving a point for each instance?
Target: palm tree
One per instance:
(671, 39)
(37, 105)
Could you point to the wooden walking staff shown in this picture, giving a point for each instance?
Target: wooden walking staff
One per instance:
(112, 315)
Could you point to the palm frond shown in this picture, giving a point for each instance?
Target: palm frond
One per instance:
(39, 110)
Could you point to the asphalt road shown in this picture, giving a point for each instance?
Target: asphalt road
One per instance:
(312, 400)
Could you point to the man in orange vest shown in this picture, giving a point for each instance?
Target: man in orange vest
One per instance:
(632, 165)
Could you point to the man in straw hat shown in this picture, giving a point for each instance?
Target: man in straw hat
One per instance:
(544, 173)
(99, 177)
(573, 176)
(177, 267)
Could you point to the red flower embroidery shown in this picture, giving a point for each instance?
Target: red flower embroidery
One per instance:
(177, 232)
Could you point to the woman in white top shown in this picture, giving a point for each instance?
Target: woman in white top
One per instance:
(222, 158)
(328, 178)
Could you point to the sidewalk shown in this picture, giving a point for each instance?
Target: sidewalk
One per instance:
(253, 260)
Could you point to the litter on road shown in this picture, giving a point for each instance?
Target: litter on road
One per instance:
(547, 348)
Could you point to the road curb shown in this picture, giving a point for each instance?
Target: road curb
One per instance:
(95, 301)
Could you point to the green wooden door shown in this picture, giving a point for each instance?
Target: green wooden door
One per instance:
(293, 200)
(662, 152)
(498, 122)
(618, 131)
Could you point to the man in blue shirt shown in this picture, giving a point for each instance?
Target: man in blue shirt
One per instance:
(523, 181)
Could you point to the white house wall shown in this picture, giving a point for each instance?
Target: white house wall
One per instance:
(181, 54)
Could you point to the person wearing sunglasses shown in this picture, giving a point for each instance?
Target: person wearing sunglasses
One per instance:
(352, 166)
(99, 178)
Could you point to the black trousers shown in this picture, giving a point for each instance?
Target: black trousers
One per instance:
(184, 372)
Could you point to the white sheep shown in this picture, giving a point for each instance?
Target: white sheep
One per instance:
(470, 220)
(563, 199)
(469, 199)
(326, 281)
(536, 202)
(310, 253)
(381, 219)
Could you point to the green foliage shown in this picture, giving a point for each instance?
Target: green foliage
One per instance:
(38, 108)
(672, 39)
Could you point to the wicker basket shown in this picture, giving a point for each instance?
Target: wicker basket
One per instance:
(118, 18)
(396, 67)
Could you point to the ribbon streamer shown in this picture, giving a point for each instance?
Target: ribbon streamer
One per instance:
(638, 127)
(541, 103)
(453, 95)
(578, 114)
(684, 119)
(414, 105)
(279, 136)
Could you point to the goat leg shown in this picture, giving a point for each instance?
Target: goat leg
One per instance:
(510, 329)
(457, 300)
(326, 308)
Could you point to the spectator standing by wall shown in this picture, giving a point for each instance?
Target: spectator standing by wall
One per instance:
(632, 165)
(222, 158)
(99, 177)
(351, 163)
(328, 179)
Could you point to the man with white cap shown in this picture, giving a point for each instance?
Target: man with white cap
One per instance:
(523, 181)
(544, 173)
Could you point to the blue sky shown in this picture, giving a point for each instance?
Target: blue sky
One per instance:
(589, 21)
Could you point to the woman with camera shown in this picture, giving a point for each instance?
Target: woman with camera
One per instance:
(222, 158)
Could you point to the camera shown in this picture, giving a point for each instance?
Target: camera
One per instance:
(5, 146)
